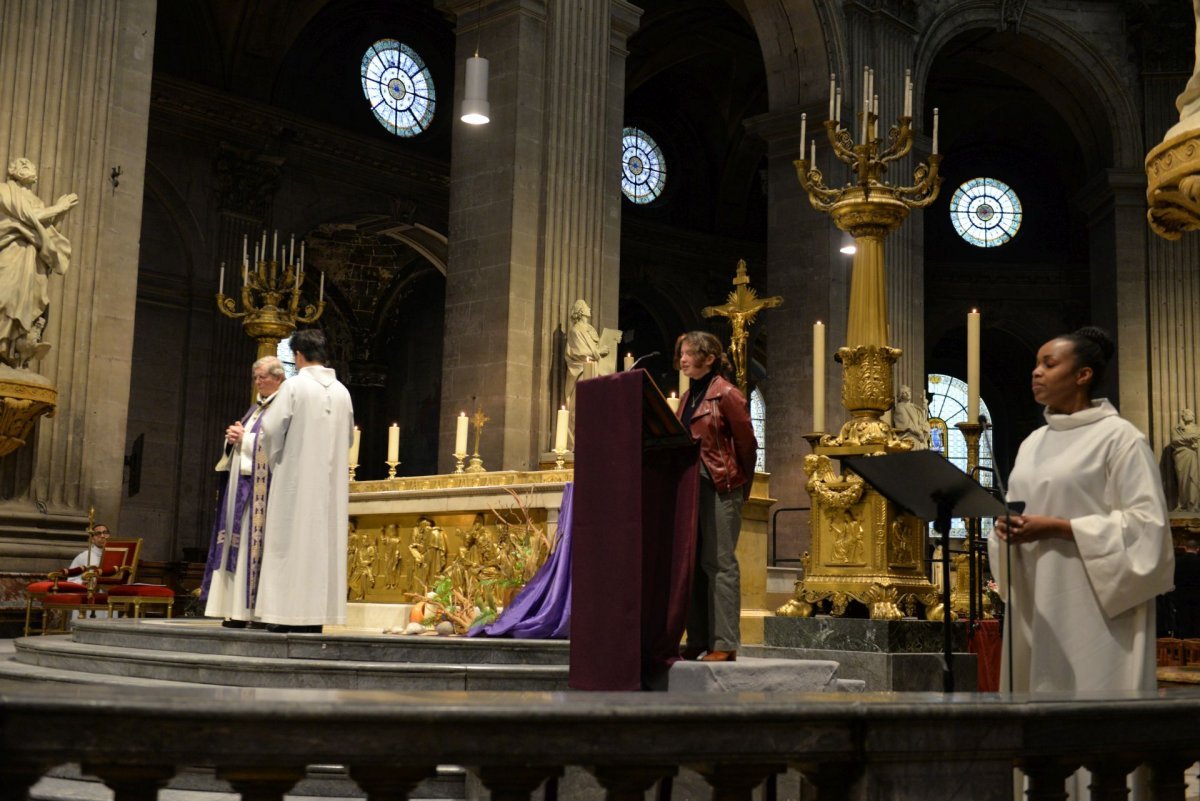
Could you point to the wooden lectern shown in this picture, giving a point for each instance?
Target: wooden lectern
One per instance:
(634, 532)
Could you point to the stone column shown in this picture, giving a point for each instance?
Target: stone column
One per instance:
(75, 86)
(534, 211)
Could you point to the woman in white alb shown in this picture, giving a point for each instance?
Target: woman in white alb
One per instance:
(1092, 548)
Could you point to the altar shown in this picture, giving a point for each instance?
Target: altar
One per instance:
(494, 524)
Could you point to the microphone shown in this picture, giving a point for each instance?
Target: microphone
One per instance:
(641, 359)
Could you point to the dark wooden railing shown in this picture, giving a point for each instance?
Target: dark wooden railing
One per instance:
(848, 746)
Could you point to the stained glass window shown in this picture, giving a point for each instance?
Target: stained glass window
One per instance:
(284, 351)
(758, 420)
(643, 169)
(947, 407)
(398, 86)
(985, 212)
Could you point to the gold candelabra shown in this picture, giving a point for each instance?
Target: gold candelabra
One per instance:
(868, 209)
(863, 548)
(270, 297)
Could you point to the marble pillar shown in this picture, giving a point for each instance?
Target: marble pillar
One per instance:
(534, 212)
(75, 87)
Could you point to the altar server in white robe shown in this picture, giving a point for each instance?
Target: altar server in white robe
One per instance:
(308, 431)
(1092, 548)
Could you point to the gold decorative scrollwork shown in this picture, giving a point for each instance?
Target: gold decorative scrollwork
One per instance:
(21, 404)
(829, 489)
(1173, 189)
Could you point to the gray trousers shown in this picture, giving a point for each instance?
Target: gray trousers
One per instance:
(714, 616)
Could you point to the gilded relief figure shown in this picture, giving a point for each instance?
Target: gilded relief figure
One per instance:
(427, 551)
(362, 573)
(847, 539)
(900, 544)
(352, 541)
(391, 557)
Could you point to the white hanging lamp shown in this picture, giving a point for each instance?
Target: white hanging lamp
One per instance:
(475, 107)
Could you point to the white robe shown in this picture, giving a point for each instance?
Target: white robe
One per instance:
(308, 430)
(1082, 611)
(227, 589)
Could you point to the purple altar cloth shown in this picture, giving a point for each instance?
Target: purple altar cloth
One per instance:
(542, 609)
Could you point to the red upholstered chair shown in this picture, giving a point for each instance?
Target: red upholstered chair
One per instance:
(56, 583)
(118, 566)
(140, 596)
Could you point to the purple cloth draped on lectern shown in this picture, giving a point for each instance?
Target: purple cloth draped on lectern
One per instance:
(542, 609)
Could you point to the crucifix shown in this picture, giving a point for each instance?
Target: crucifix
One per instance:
(479, 418)
(742, 306)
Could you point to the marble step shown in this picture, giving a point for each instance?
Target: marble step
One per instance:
(64, 654)
(201, 635)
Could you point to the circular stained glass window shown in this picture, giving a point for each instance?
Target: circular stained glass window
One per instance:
(985, 212)
(643, 169)
(399, 87)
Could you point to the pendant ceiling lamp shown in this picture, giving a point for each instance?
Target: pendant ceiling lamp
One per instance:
(475, 107)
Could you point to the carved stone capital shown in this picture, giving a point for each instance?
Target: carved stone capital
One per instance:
(21, 404)
(1173, 190)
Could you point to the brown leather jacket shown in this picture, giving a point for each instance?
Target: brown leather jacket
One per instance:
(722, 424)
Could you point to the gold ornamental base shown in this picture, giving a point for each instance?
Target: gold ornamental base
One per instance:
(1173, 185)
(863, 549)
(24, 397)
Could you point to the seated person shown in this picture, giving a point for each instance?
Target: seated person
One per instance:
(95, 549)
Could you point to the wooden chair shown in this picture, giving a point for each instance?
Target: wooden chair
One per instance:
(1170, 652)
(118, 567)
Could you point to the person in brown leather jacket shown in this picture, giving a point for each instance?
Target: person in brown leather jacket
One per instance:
(718, 415)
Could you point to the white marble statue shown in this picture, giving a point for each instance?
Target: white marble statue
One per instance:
(1188, 101)
(584, 347)
(911, 421)
(31, 248)
(1185, 456)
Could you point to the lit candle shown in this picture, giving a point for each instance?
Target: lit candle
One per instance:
(221, 281)
(832, 92)
(354, 446)
(673, 402)
(589, 369)
(560, 429)
(935, 127)
(684, 383)
(804, 130)
(628, 362)
(818, 376)
(460, 434)
(973, 366)
(393, 443)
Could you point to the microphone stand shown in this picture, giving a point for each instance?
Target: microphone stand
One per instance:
(1008, 553)
(641, 359)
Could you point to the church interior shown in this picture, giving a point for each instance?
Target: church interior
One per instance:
(634, 153)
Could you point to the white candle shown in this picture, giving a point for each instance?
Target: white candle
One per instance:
(684, 383)
(393, 443)
(245, 273)
(628, 362)
(245, 245)
(804, 130)
(221, 281)
(813, 159)
(560, 429)
(321, 296)
(973, 366)
(908, 93)
(818, 376)
(263, 249)
(832, 92)
(875, 122)
(302, 257)
(673, 402)
(935, 127)
(837, 109)
(354, 446)
(460, 434)
(275, 247)
(292, 250)
(589, 369)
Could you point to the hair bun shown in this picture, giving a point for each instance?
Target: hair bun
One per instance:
(1100, 337)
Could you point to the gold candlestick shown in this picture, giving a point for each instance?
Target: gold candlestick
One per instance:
(559, 461)
(458, 461)
(478, 419)
(353, 470)
(391, 469)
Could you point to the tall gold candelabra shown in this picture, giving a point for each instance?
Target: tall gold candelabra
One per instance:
(270, 297)
(863, 548)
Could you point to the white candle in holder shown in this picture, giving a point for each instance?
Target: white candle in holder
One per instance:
(673, 402)
(460, 433)
(973, 366)
(818, 376)
(628, 362)
(393, 443)
(560, 429)
(354, 446)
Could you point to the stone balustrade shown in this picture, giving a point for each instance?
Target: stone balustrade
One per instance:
(870, 746)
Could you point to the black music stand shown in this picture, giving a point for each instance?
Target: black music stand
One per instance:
(928, 486)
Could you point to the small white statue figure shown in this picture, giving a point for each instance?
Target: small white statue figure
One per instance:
(30, 250)
(1185, 454)
(911, 421)
(1188, 101)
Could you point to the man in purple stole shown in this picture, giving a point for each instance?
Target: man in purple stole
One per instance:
(235, 553)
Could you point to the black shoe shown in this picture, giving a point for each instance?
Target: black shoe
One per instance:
(233, 624)
(306, 629)
(257, 624)
(278, 628)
